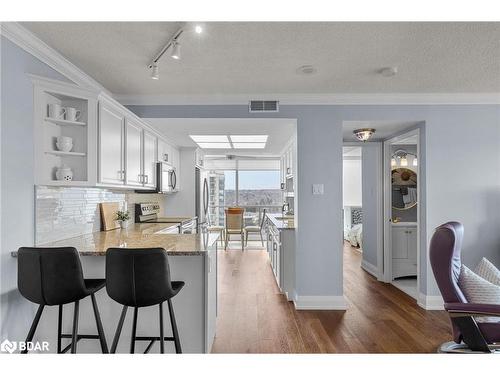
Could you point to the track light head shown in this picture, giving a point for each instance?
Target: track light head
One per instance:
(198, 29)
(176, 50)
(155, 74)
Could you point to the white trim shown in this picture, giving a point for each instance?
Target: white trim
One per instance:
(316, 99)
(320, 302)
(29, 42)
(430, 302)
(370, 268)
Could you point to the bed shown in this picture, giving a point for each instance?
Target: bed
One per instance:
(353, 227)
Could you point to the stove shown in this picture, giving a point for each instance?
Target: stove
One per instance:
(148, 213)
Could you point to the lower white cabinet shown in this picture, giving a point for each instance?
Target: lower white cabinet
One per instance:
(404, 251)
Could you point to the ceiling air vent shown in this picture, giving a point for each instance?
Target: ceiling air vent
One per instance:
(263, 106)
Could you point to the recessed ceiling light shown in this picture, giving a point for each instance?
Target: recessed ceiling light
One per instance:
(249, 145)
(306, 69)
(389, 71)
(210, 138)
(214, 145)
(248, 138)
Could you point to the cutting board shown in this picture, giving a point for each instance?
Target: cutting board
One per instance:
(108, 215)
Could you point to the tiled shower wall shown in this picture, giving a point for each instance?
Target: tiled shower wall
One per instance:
(63, 212)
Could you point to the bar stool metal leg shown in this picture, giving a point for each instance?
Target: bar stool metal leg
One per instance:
(119, 329)
(100, 330)
(31, 333)
(59, 329)
(177, 342)
(134, 329)
(162, 340)
(74, 337)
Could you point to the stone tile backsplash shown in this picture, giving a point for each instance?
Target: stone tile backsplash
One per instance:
(64, 212)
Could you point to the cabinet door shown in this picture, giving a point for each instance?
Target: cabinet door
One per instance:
(134, 154)
(162, 150)
(111, 141)
(412, 244)
(399, 243)
(211, 296)
(149, 160)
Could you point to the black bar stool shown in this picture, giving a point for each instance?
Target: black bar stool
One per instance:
(140, 278)
(53, 276)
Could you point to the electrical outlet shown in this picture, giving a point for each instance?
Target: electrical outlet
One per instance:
(318, 189)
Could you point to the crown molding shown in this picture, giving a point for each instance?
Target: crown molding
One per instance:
(29, 42)
(317, 99)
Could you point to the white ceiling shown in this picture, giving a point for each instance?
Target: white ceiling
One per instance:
(262, 57)
(383, 129)
(280, 131)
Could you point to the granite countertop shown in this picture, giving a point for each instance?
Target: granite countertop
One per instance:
(138, 236)
(288, 223)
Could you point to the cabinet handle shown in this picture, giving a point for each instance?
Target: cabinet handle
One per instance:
(147, 178)
(121, 175)
(288, 170)
(165, 157)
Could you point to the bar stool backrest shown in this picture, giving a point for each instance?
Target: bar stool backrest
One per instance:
(50, 276)
(138, 277)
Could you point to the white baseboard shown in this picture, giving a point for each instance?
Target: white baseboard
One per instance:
(370, 268)
(430, 302)
(320, 303)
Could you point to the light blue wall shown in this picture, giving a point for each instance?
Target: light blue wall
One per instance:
(17, 179)
(460, 149)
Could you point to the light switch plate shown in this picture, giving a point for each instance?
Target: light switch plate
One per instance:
(318, 189)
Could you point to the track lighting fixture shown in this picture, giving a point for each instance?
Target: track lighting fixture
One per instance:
(176, 50)
(198, 29)
(155, 74)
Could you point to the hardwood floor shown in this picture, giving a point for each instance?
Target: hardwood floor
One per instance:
(255, 318)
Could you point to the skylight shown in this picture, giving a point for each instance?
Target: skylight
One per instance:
(252, 141)
(249, 145)
(248, 138)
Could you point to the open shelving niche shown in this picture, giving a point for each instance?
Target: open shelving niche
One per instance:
(47, 156)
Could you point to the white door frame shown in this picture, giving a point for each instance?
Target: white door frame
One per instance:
(387, 248)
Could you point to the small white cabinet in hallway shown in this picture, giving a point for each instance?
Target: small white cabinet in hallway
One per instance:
(404, 250)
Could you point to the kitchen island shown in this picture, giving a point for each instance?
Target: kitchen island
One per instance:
(192, 259)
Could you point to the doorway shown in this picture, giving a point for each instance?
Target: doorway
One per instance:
(402, 191)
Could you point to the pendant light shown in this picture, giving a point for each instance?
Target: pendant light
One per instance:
(364, 134)
(176, 50)
(404, 161)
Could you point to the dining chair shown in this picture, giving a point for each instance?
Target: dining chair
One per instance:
(256, 228)
(234, 225)
(216, 228)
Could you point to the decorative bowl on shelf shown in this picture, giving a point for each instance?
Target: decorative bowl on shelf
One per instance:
(64, 174)
(64, 144)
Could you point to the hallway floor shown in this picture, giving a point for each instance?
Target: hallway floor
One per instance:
(254, 317)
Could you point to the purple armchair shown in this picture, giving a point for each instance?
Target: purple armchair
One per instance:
(468, 334)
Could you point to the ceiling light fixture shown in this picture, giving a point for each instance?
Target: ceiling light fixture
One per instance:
(364, 134)
(389, 71)
(249, 145)
(402, 155)
(248, 138)
(198, 29)
(155, 74)
(176, 50)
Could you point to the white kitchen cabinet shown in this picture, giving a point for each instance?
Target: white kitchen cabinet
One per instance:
(404, 251)
(111, 144)
(134, 152)
(164, 151)
(149, 160)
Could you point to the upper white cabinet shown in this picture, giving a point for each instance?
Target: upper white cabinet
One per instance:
(111, 144)
(164, 151)
(150, 157)
(134, 153)
(65, 127)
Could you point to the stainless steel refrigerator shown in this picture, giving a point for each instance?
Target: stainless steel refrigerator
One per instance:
(202, 195)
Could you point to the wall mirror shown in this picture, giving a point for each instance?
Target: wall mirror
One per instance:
(404, 188)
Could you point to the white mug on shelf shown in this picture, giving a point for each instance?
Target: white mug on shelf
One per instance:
(64, 173)
(73, 114)
(56, 111)
(64, 143)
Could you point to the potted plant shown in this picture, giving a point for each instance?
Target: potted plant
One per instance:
(123, 217)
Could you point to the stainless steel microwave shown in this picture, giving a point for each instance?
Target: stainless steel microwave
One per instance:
(166, 178)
